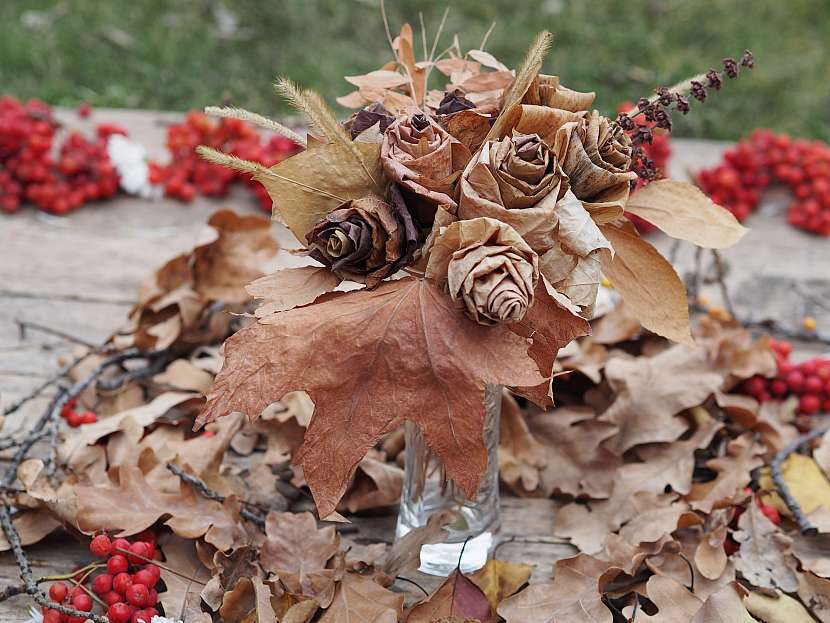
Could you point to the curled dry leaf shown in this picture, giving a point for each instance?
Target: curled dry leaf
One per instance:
(648, 284)
(458, 596)
(764, 558)
(684, 212)
(32, 526)
(377, 484)
(813, 551)
(575, 595)
(291, 287)
(733, 475)
(368, 386)
(778, 608)
(405, 553)
(362, 600)
(298, 553)
(498, 580)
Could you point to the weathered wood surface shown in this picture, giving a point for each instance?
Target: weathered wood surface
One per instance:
(80, 273)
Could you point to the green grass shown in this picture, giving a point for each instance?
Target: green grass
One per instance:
(167, 54)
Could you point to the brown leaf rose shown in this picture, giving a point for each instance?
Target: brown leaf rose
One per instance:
(517, 180)
(425, 160)
(365, 240)
(488, 266)
(597, 159)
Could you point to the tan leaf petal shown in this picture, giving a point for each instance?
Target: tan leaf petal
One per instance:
(291, 287)
(648, 284)
(683, 211)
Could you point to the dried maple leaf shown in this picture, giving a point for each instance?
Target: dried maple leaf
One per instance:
(291, 287)
(684, 212)
(648, 284)
(652, 390)
(298, 552)
(370, 360)
(458, 596)
(574, 595)
(132, 505)
(376, 484)
(361, 600)
(764, 558)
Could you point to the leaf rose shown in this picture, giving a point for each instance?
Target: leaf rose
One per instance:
(517, 180)
(597, 159)
(486, 264)
(365, 240)
(425, 160)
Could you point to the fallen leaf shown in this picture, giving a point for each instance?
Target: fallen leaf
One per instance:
(238, 601)
(684, 212)
(264, 611)
(181, 599)
(574, 595)
(291, 287)
(710, 557)
(813, 551)
(675, 604)
(764, 558)
(733, 475)
(725, 606)
(648, 284)
(458, 596)
(298, 552)
(377, 484)
(498, 580)
(805, 481)
(815, 594)
(821, 454)
(182, 375)
(652, 390)
(656, 517)
(776, 609)
(618, 325)
(405, 553)
(346, 352)
(361, 600)
(32, 526)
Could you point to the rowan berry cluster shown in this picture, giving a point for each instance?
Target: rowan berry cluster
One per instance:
(126, 587)
(765, 158)
(77, 418)
(809, 380)
(187, 174)
(31, 170)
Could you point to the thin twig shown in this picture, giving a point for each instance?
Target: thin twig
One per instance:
(486, 36)
(720, 275)
(804, 524)
(11, 590)
(158, 360)
(160, 565)
(200, 486)
(23, 325)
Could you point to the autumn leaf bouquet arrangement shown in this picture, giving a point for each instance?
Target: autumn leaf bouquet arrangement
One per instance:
(473, 225)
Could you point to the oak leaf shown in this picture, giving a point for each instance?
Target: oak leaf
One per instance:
(181, 600)
(725, 606)
(778, 608)
(574, 595)
(298, 552)
(764, 558)
(362, 600)
(673, 600)
(648, 284)
(733, 474)
(370, 360)
(683, 211)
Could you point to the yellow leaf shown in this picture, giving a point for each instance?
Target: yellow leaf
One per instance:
(780, 609)
(648, 284)
(683, 211)
(805, 480)
(498, 579)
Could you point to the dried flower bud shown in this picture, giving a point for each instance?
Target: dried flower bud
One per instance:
(365, 240)
(747, 60)
(730, 67)
(454, 101)
(698, 91)
(664, 96)
(642, 135)
(626, 122)
(369, 116)
(663, 119)
(488, 266)
(682, 104)
(713, 79)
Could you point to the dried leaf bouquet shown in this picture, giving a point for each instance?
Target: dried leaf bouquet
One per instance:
(480, 219)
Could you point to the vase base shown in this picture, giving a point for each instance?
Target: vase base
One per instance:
(442, 558)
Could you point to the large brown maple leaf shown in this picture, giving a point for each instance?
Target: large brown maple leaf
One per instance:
(369, 360)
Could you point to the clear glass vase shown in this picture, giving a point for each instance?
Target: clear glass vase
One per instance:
(426, 490)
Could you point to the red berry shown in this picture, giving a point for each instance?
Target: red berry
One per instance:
(84, 110)
(154, 571)
(137, 595)
(154, 597)
(74, 419)
(778, 387)
(772, 514)
(88, 417)
(58, 592)
(102, 584)
(755, 386)
(112, 598)
(120, 544)
(809, 404)
(148, 536)
(730, 546)
(121, 582)
(139, 552)
(101, 546)
(808, 367)
(52, 616)
(813, 384)
(119, 613)
(795, 380)
(145, 577)
(69, 619)
(117, 563)
(82, 602)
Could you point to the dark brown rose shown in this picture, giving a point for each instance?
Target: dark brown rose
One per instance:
(365, 240)
(486, 264)
(517, 180)
(453, 102)
(425, 161)
(597, 159)
(374, 114)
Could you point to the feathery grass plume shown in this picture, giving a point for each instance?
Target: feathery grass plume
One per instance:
(320, 116)
(229, 112)
(530, 68)
(255, 169)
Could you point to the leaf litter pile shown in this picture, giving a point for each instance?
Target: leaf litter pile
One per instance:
(197, 473)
